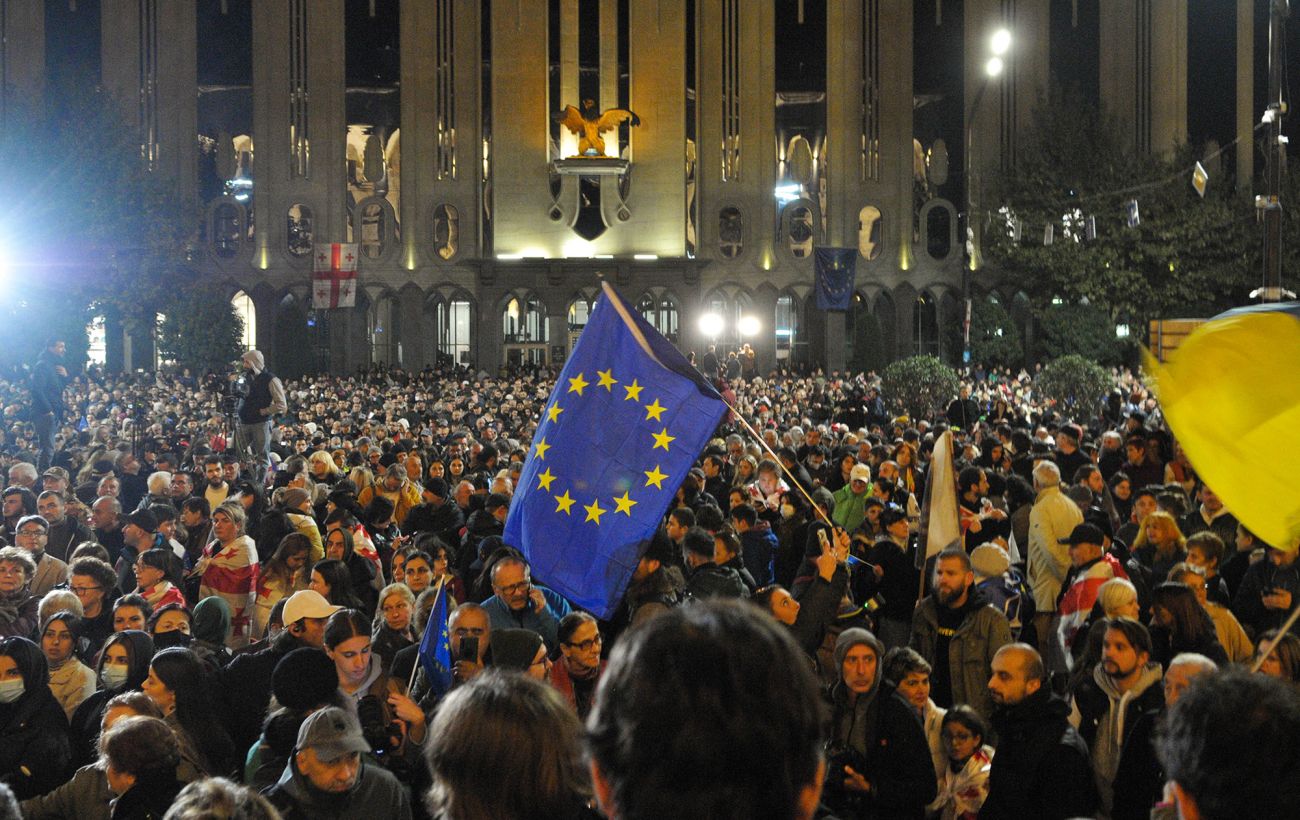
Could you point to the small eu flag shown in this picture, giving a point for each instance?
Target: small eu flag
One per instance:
(835, 269)
(622, 428)
(435, 647)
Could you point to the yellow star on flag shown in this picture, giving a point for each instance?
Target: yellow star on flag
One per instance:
(554, 413)
(563, 503)
(576, 384)
(607, 379)
(542, 447)
(544, 479)
(662, 439)
(594, 511)
(654, 411)
(624, 505)
(633, 391)
(655, 477)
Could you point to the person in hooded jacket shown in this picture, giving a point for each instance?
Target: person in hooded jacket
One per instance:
(122, 667)
(878, 761)
(304, 681)
(34, 752)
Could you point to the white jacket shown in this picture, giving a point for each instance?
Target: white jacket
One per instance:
(1051, 519)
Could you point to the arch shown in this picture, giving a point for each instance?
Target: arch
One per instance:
(523, 319)
(301, 336)
(300, 229)
(925, 324)
(383, 330)
(226, 222)
(871, 232)
(729, 302)
(455, 318)
(659, 307)
(938, 220)
(446, 231)
(374, 226)
(247, 312)
(731, 232)
(787, 327)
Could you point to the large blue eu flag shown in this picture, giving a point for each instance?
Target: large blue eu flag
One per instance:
(835, 269)
(625, 423)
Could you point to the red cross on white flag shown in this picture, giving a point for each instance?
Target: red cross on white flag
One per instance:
(334, 276)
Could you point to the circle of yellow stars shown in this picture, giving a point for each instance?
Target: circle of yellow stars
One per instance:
(564, 502)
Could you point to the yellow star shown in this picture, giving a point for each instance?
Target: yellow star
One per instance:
(654, 411)
(576, 384)
(662, 439)
(633, 391)
(624, 505)
(544, 479)
(655, 477)
(563, 503)
(554, 412)
(542, 447)
(594, 511)
(607, 379)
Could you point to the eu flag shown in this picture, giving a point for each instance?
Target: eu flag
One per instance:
(435, 647)
(622, 428)
(835, 270)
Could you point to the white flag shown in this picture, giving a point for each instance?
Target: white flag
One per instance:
(939, 521)
(334, 276)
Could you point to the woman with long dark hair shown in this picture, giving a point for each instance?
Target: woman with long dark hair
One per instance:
(122, 667)
(177, 685)
(333, 581)
(280, 577)
(1179, 624)
(34, 751)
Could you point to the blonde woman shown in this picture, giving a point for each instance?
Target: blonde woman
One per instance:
(1160, 544)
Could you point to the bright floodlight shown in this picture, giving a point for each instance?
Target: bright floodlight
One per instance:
(1001, 42)
(711, 325)
(748, 326)
(993, 67)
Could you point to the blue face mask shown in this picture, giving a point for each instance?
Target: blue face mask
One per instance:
(114, 677)
(11, 690)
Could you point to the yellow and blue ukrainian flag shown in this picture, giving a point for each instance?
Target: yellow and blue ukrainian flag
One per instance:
(1231, 395)
(627, 419)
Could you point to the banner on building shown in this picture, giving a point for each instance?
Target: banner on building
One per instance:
(334, 276)
(835, 270)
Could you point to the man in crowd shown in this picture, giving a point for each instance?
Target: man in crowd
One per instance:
(1041, 768)
(704, 578)
(215, 489)
(49, 378)
(65, 532)
(958, 633)
(518, 603)
(1210, 515)
(1053, 517)
(1090, 567)
(264, 401)
(106, 519)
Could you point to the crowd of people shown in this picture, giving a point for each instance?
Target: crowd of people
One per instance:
(220, 603)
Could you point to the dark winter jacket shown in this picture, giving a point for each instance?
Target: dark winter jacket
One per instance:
(758, 549)
(712, 581)
(887, 746)
(982, 633)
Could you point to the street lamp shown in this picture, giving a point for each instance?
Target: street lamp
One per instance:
(999, 45)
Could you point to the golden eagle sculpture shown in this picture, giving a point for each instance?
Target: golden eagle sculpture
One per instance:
(588, 124)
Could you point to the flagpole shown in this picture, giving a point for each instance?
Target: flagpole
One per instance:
(442, 582)
(1286, 627)
(794, 481)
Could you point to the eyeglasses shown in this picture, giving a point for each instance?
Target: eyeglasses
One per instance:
(522, 586)
(544, 662)
(30, 533)
(83, 590)
(587, 645)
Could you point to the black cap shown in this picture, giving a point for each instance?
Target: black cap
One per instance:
(892, 515)
(496, 500)
(143, 519)
(438, 487)
(1085, 534)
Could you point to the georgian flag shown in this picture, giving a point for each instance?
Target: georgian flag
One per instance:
(334, 276)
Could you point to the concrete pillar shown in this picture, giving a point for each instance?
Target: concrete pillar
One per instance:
(844, 111)
(1144, 71)
(833, 327)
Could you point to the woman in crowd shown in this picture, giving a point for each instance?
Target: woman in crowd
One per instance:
(131, 612)
(1179, 624)
(1121, 490)
(910, 475)
(392, 628)
(151, 568)
(746, 469)
(444, 571)
(1281, 655)
(171, 626)
(123, 666)
(86, 796)
(845, 461)
(280, 577)
(366, 687)
(140, 757)
(229, 569)
(323, 469)
(506, 746)
(1159, 544)
(71, 681)
(17, 604)
(417, 571)
(580, 664)
(340, 546)
(177, 685)
(964, 781)
(909, 675)
(333, 581)
(34, 753)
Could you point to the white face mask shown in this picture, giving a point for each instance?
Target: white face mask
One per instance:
(787, 511)
(11, 690)
(113, 676)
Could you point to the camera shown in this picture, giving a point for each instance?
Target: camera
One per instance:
(382, 737)
(837, 757)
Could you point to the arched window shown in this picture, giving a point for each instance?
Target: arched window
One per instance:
(247, 313)
(227, 230)
(373, 230)
(938, 232)
(299, 235)
(661, 313)
(731, 232)
(579, 312)
(786, 326)
(523, 322)
(385, 347)
(800, 237)
(446, 230)
(870, 232)
(925, 325)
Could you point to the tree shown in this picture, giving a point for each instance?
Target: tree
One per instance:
(1188, 255)
(201, 329)
(918, 384)
(994, 336)
(1075, 385)
(1083, 329)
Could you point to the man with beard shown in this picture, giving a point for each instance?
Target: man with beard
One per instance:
(66, 532)
(1116, 711)
(958, 634)
(216, 490)
(49, 377)
(980, 521)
